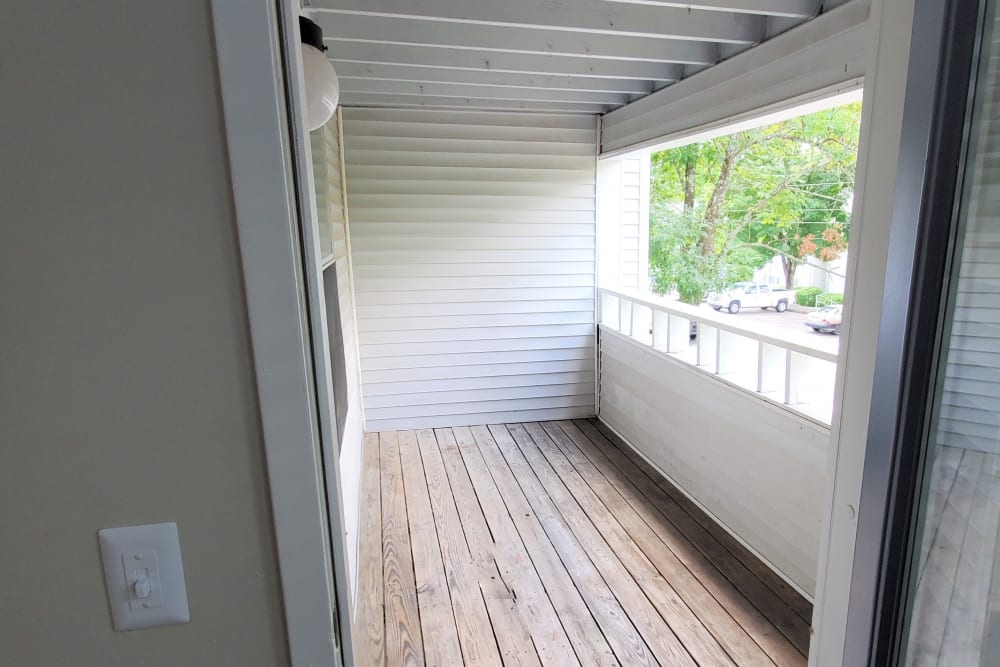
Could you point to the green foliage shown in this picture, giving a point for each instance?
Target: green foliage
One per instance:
(827, 298)
(741, 200)
(806, 296)
(676, 264)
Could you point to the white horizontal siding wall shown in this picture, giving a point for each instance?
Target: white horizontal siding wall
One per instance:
(970, 409)
(473, 240)
(335, 247)
(757, 468)
(623, 222)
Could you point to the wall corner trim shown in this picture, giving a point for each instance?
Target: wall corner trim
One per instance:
(253, 96)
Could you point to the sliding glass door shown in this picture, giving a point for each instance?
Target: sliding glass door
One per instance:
(937, 598)
(952, 597)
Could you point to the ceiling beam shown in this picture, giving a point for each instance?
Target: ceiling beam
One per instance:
(349, 70)
(482, 92)
(496, 61)
(370, 100)
(593, 16)
(380, 29)
(790, 8)
(822, 57)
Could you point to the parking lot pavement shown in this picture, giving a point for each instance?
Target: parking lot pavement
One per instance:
(787, 325)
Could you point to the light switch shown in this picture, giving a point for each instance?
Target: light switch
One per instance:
(144, 575)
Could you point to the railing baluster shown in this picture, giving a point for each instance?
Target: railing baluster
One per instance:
(760, 366)
(718, 353)
(788, 377)
(625, 317)
(661, 329)
(787, 372)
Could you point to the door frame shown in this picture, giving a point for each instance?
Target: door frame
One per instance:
(914, 334)
(260, 76)
(906, 156)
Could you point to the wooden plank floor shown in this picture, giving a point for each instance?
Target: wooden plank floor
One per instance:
(956, 617)
(553, 544)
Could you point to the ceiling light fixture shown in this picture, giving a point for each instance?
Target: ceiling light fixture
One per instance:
(322, 87)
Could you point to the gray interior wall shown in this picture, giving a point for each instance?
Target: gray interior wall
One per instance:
(126, 383)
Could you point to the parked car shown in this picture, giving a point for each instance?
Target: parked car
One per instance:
(825, 320)
(750, 295)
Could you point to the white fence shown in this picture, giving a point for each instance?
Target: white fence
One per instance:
(792, 374)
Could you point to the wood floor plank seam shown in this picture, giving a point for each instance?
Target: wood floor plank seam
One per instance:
(588, 642)
(767, 601)
(934, 593)
(545, 628)
(512, 634)
(618, 628)
(550, 544)
(743, 613)
(439, 629)
(472, 620)
(658, 635)
(370, 612)
(715, 618)
(673, 609)
(400, 583)
(781, 588)
(944, 481)
(967, 608)
(789, 628)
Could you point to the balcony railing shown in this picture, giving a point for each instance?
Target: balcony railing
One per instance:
(795, 375)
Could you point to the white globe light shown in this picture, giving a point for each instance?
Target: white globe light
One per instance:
(322, 87)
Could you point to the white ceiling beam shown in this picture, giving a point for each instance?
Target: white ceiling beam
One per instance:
(482, 92)
(365, 28)
(496, 61)
(348, 70)
(821, 57)
(791, 8)
(594, 16)
(369, 100)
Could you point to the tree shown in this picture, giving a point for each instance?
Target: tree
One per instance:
(725, 207)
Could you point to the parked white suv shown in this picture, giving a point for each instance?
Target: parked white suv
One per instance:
(750, 295)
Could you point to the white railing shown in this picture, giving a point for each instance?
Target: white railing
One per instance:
(796, 375)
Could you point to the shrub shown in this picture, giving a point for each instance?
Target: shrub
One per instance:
(827, 298)
(806, 296)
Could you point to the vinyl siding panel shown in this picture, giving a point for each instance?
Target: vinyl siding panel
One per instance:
(335, 247)
(970, 404)
(759, 469)
(473, 241)
(624, 222)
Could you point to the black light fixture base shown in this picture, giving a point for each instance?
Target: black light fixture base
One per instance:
(312, 34)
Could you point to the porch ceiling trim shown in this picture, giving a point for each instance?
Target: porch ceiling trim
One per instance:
(397, 101)
(821, 57)
(348, 71)
(596, 16)
(447, 34)
(485, 61)
(505, 55)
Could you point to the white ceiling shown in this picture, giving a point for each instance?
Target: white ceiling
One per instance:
(578, 56)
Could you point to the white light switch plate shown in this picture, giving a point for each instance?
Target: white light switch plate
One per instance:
(144, 575)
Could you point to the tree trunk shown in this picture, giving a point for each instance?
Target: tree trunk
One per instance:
(789, 266)
(713, 213)
(689, 183)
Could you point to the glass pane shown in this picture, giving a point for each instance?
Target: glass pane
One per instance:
(955, 617)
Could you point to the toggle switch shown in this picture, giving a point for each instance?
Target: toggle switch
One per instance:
(144, 576)
(141, 587)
